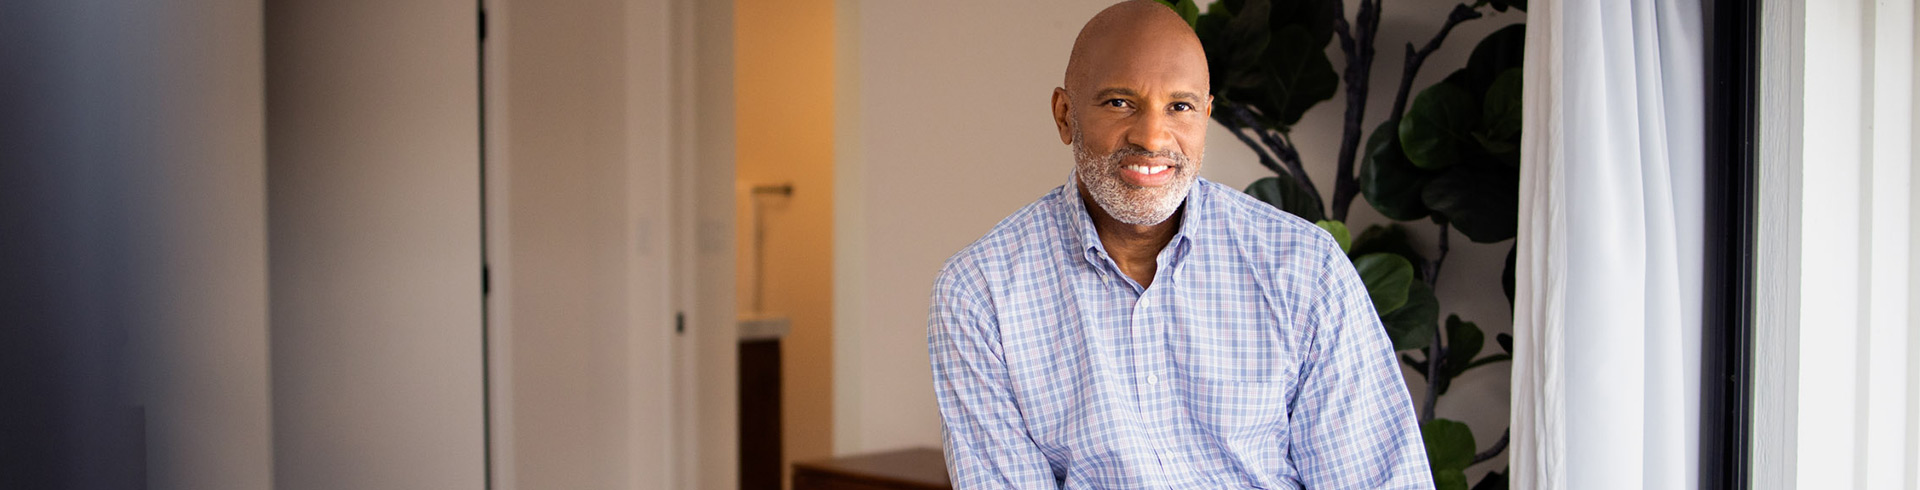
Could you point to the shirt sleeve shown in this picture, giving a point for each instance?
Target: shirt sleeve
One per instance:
(987, 445)
(1353, 421)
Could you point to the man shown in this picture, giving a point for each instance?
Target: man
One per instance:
(1140, 327)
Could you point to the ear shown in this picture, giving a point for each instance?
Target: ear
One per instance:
(1209, 106)
(1062, 105)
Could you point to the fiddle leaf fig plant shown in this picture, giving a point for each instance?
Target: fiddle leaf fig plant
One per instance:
(1447, 154)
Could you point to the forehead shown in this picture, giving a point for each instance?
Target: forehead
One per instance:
(1144, 62)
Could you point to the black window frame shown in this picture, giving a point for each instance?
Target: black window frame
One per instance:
(1732, 47)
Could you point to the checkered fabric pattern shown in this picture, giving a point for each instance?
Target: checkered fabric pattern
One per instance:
(1253, 360)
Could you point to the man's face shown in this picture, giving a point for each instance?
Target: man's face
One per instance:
(1137, 120)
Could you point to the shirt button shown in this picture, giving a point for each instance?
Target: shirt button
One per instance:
(1153, 379)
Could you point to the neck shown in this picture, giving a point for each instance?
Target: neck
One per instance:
(1133, 247)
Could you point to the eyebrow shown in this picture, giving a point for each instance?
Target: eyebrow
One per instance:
(1126, 92)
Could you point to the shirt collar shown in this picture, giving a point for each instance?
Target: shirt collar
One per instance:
(1087, 239)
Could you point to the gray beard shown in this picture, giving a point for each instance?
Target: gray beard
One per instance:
(1130, 204)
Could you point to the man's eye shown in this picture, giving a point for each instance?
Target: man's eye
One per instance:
(1116, 103)
(1182, 107)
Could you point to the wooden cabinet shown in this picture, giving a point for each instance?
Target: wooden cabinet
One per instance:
(908, 469)
(760, 428)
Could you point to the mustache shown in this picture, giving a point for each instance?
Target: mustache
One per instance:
(1177, 158)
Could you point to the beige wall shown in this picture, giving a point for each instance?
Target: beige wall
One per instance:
(951, 132)
(783, 69)
(588, 144)
(652, 342)
(954, 133)
(560, 248)
(704, 181)
(374, 235)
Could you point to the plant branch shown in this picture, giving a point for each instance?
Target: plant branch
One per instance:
(1281, 148)
(1358, 46)
(1433, 268)
(1438, 349)
(1498, 447)
(1461, 13)
(1435, 352)
(1266, 158)
(1340, 27)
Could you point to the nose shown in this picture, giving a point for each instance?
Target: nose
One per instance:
(1149, 132)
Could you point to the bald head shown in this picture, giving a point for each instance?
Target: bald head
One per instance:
(1134, 108)
(1134, 32)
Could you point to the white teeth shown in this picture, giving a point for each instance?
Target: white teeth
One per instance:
(1147, 170)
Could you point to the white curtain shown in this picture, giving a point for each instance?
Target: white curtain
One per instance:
(1606, 375)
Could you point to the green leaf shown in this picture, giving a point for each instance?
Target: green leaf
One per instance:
(1392, 239)
(1458, 78)
(1212, 31)
(1301, 75)
(1247, 37)
(1317, 16)
(1505, 341)
(1502, 50)
(1480, 200)
(1389, 182)
(1420, 365)
(1339, 232)
(1388, 277)
(1498, 147)
(1282, 192)
(1411, 326)
(1450, 450)
(1464, 340)
(1438, 123)
(1500, 114)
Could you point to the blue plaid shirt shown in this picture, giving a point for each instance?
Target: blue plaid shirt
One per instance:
(1254, 360)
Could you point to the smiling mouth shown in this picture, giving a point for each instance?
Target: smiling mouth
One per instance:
(1147, 169)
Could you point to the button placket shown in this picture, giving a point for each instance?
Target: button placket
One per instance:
(1155, 397)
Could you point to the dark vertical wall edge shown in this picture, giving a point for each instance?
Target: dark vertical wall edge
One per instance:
(486, 276)
(1732, 28)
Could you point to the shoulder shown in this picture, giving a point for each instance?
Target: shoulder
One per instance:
(1028, 231)
(1265, 233)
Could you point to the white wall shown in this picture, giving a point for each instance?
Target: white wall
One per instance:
(1836, 404)
(945, 129)
(374, 235)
